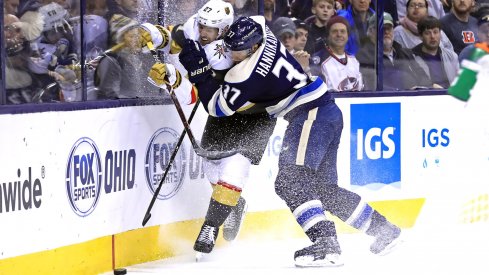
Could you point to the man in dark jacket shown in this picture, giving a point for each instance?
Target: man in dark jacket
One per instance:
(400, 72)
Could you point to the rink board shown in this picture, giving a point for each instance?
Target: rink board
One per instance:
(75, 185)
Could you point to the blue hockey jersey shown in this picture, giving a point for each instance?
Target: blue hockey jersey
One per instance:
(270, 80)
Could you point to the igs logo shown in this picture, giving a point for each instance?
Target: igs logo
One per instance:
(84, 176)
(375, 143)
(158, 152)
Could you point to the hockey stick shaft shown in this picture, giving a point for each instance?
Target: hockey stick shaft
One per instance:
(92, 63)
(147, 216)
(212, 155)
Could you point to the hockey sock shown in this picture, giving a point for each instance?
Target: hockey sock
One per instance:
(321, 229)
(377, 220)
(217, 213)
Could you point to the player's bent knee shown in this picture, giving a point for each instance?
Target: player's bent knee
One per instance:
(235, 170)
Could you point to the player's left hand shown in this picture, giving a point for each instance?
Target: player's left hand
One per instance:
(303, 58)
(162, 74)
(194, 59)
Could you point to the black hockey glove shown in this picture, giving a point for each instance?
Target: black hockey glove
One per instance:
(178, 35)
(194, 60)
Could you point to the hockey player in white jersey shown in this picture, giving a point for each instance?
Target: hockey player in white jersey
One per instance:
(268, 79)
(227, 207)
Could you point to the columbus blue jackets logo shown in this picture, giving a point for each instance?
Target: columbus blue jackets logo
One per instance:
(83, 176)
(375, 144)
(349, 84)
(158, 153)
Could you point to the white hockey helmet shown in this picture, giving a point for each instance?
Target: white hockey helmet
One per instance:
(216, 14)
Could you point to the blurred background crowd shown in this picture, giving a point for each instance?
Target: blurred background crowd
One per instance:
(423, 41)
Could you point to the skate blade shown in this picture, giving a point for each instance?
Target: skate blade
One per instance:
(394, 245)
(308, 261)
(199, 256)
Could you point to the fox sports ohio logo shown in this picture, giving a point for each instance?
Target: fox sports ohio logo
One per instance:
(84, 176)
(158, 154)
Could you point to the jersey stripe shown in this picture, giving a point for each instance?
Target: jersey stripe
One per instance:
(307, 94)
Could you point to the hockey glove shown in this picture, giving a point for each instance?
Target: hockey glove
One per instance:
(156, 34)
(194, 60)
(161, 75)
(178, 37)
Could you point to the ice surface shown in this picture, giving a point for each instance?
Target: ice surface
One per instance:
(462, 249)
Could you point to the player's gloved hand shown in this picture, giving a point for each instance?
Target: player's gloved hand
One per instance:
(158, 35)
(162, 74)
(194, 60)
(178, 38)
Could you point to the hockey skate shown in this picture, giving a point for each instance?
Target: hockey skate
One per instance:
(325, 251)
(232, 224)
(386, 240)
(205, 241)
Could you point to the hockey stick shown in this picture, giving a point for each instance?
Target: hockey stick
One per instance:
(212, 155)
(93, 63)
(147, 216)
(36, 98)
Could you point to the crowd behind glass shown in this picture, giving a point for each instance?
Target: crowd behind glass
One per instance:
(423, 41)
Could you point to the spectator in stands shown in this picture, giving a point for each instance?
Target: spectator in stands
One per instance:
(482, 35)
(322, 11)
(54, 46)
(459, 25)
(284, 29)
(441, 65)
(120, 75)
(435, 8)
(126, 8)
(407, 34)
(302, 9)
(339, 70)
(357, 15)
(269, 12)
(18, 80)
(11, 6)
(401, 71)
(301, 34)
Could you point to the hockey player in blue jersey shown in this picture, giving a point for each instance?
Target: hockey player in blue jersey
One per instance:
(266, 78)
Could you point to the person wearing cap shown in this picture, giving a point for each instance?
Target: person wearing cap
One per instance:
(482, 35)
(459, 25)
(401, 71)
(441, 65)
(284, 29)
(406, 33)
(120, 74)
(338, 69)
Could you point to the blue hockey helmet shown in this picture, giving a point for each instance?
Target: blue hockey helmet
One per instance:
(243, 34)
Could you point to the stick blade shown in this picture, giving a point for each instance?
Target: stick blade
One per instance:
(146, 218)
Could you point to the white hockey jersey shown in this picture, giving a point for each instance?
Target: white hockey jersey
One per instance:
(342, 75)
(218, 57)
